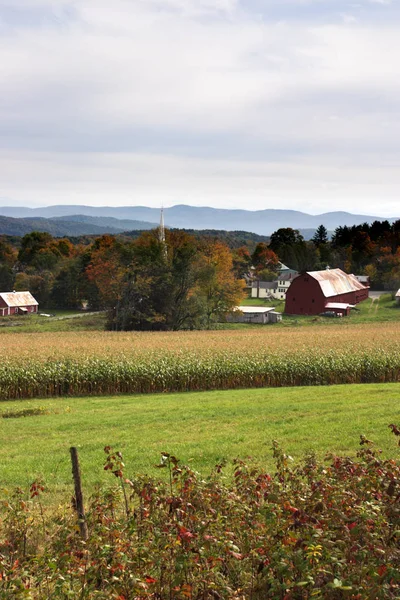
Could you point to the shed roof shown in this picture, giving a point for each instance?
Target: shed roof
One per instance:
(18, 299)
(254, 309)
(335, 281)
(362, 278)
(339, 305)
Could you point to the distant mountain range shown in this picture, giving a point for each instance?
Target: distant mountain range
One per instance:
(90, 220)
(71, 226)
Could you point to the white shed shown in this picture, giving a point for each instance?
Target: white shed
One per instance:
(251, 314)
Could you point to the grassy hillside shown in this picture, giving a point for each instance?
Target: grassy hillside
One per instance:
(200, 428)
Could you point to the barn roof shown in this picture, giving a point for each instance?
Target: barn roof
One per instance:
(335, 281)
(18, 299)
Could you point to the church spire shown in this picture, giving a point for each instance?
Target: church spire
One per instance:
(162, 226)
(162, 232)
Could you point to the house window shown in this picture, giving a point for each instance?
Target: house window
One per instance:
(16, 310)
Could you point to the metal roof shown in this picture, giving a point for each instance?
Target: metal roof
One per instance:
(267, 285)
(335, 281)
(18, 299)
(254, 309)
(339, 305)
(288, 276)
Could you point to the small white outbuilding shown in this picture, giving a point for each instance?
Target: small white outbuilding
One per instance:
(251, 314)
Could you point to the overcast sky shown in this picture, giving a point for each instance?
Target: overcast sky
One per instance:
(227, 103)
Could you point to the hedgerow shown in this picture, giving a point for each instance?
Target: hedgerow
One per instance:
(319, 529)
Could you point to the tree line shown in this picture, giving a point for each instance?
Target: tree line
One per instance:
(145, 283)
(191, 280)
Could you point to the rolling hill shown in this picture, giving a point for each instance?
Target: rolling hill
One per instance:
(262, 222)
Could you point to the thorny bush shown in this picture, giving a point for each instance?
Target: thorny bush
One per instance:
(321, 529)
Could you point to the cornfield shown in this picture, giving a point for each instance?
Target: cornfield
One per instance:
(46, 365)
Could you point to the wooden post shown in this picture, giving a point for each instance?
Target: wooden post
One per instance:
(76, 473)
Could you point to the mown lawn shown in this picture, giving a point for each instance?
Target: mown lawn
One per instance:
(199, 428)
(59, 321)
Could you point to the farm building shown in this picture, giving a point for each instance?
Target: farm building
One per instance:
(273, 289)
(285, 270)
(284, 282)
(331, 290)
(12, 303)
(264, 289)
(254, 314)
(274, 317)
(397, 297)
(364, 279)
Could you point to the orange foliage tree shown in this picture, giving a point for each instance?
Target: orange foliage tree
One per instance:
(107, 270)
(216, 288)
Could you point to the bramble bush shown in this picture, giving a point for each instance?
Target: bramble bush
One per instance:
(319, 529)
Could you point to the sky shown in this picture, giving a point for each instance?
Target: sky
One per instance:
(253, 104)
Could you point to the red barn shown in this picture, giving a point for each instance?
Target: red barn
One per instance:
(12, 303)
(317, 291)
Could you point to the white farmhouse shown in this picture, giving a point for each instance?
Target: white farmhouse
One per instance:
(273, 289)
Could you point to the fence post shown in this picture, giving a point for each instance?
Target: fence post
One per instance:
(76, 473)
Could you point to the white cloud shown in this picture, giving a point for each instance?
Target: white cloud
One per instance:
(310, 184)
(197, 77)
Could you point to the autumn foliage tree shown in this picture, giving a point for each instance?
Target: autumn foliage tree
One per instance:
(217, 289)
(264, 257)
(182, 283)
(158, 283)
(8, 258)
(106, 270)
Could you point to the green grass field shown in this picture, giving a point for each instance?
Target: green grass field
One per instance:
(199, 428)
(373, 310)
(61, 321)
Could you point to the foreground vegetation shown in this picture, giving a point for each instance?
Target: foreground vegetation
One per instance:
(202, 428)
(316, 530)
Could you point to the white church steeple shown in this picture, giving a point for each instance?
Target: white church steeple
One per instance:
(162, 232)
